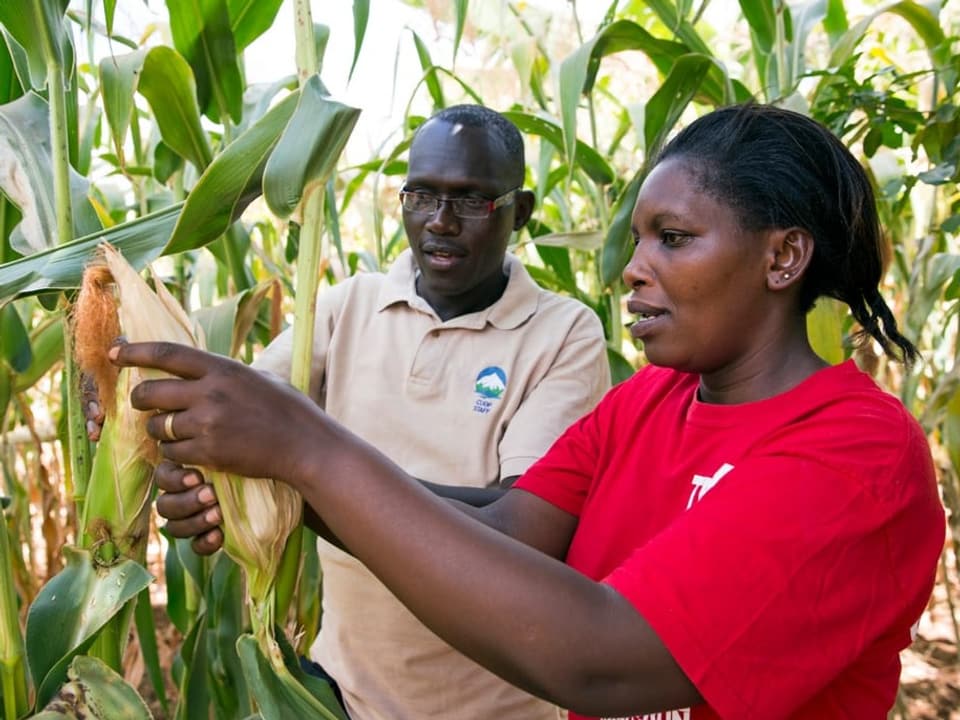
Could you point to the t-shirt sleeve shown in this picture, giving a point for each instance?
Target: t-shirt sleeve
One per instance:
(785, 575)
(564, 476)
(571, 387)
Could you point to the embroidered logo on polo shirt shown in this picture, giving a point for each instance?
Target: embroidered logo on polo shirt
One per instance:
(490, 385)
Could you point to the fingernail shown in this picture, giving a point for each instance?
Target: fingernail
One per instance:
(91, 426)
(206, 495)
(113, 352)
(94, 407)
(212, 516)
(191, 479)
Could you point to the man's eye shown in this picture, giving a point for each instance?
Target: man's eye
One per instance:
(422, 199)
(471, 203)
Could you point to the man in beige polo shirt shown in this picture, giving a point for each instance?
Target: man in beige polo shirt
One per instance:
(463, 371)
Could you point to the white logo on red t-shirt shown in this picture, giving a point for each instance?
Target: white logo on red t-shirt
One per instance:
(683, 714)
(702, 484)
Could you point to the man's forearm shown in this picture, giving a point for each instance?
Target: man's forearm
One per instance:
(469, 496)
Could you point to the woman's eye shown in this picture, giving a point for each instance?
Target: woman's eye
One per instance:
(673, 237)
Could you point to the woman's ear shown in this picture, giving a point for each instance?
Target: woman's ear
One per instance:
(791, 251)
(523, 208)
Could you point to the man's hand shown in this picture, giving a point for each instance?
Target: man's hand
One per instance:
(190, 507)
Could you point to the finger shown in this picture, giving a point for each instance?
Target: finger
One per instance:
(93, 430)
(209, 542)
(168, 426)
(171, 477)
(180, 360)
(198, 506)
(191, 527)
(168, 395)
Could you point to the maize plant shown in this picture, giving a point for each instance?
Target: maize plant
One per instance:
(258, 514)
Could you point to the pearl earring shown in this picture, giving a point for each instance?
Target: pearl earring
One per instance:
(786, 276)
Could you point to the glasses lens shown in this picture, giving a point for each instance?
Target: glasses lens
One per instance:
(419, 202)
(468, 207)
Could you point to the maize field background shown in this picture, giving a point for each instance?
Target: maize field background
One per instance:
(137, 124)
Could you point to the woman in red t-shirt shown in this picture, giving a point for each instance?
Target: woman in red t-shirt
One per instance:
(738, 531)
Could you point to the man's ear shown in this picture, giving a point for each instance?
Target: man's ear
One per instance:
(791, 252)
(524, 202)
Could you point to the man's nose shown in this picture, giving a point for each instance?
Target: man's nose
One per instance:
(443, 220)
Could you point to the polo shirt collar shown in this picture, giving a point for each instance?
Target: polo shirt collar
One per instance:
(518, 302)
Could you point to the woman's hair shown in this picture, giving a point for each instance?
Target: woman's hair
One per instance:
(780, 169)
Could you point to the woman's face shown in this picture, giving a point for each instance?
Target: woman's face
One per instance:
(698, 280)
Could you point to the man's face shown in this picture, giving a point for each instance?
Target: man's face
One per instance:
(460, 259)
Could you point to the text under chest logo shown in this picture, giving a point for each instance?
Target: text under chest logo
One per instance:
(490, 385)
(702, 484)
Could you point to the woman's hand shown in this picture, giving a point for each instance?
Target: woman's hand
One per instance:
(220, 414)
(190, 507)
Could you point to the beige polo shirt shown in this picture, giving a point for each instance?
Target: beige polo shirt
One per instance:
(462, 402)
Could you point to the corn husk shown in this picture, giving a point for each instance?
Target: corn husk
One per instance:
(258, 514)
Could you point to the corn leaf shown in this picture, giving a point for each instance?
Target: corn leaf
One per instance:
(38, 28)
(285, 692)
(825, 328)
(25, 152)
(249, 19)
(589, 159)
(192, 682)
(460, 11)
(61, 268)
(46, 346)
(15, 350)
(202, 33)
(119, 75)
(95, 692)
(69, 611)
(309, 148)
(430, 72)
(147, 637)
(361, 13)
(227, 324)
(231, 181)
(168, 85)
(225, 622)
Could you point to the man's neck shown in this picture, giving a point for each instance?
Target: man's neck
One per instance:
(476, 299)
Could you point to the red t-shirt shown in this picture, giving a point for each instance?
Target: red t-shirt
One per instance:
(781, 549)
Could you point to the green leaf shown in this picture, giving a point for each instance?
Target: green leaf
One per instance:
(309, 148)
(922, 20)
(231, 182)
(460, 9)
(201, 32)
(46, 344)
(361, 14)
(10, 87)
(225, 598)
(147, 636)
(227, 324)
(589, 159)
(671, 98)
(620, 367)
(286, 692)
(430, 73)
(167, 83)
(15, 348)
(61, 267)
(577, 239)
(165, 162)
(69, 611)
(761, 16)
(38, 27)
(618, 247)
(95, 692)
(249, 19)
(25, 148)
(119, 75)
(825, 329)
(193, 684)
(109, 8)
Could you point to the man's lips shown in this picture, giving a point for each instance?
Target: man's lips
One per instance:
(441, 249)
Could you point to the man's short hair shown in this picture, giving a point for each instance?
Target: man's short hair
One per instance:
(495, 124)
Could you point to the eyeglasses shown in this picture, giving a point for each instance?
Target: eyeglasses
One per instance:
(473, 208)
